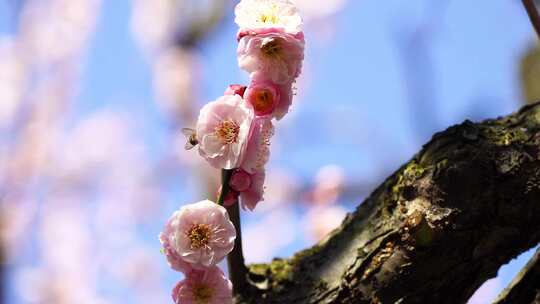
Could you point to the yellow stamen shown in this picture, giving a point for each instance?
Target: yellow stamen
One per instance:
(272, 19)
(199, 235)
(227, 131)
(202, 294)
(270, 16)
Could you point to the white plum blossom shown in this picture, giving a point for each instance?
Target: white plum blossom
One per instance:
(257, 14)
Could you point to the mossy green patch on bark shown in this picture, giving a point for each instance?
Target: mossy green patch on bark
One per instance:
(281, 270)
(504, 136)
(413, 170)
(259, 269)
(305, 253)
(402, 188)
(277, 273)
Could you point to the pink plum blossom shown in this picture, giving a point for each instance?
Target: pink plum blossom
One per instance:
(257, 14)
(253, 32)
(274, 53)
(173, 258)
(235, 89)
(203, 287)
(200, 234)
(268, 98)
(263, 95)
(285, 100)
(222, 131)
(249, 186)
(248, 181)
(258, 147)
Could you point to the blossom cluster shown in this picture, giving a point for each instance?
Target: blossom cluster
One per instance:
(233, 134)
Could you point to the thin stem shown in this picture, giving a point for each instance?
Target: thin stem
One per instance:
(225, 178)
(534, 16)
(235, 259)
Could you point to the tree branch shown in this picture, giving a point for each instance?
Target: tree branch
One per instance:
(235, 259)
(433, 232)
(530, 7)
(525, 288)
(224, 190)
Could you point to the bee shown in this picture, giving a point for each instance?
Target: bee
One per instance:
(191, 138)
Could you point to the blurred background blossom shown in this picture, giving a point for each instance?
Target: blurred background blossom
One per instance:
(93, 95)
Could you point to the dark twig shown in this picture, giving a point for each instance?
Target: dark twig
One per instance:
(534, 16)
(235, 259)
(224, 191)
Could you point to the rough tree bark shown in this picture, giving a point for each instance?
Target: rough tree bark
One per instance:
(433, 232)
